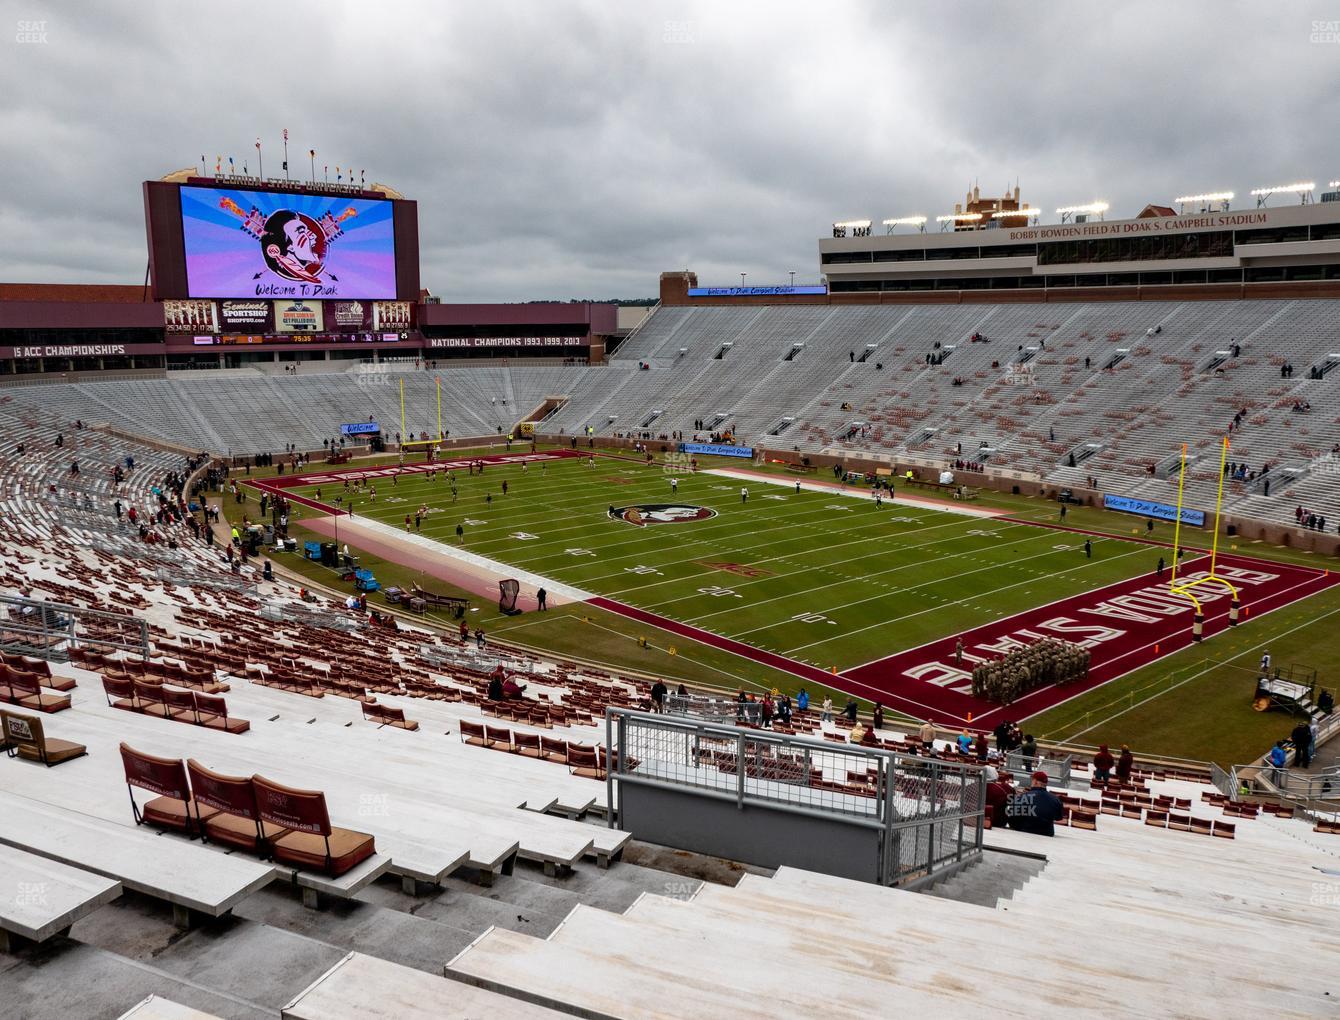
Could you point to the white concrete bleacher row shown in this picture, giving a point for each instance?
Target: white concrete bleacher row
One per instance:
(1124, 921)
(246, 413)
(177, 872)
(41, 897)
(1162, 393)
(485, 828)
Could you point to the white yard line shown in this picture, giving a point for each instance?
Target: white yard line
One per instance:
(900, 498)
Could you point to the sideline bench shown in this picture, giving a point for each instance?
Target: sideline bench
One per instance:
(40, 898)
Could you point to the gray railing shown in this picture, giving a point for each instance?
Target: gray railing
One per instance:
(1057, 769)
(49, 630)
(1226, 782)
(713, 709)
(926, 814)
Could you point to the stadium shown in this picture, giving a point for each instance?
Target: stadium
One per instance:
(954, 631)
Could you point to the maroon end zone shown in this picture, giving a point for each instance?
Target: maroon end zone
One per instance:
(278, 484)
(1125, 625)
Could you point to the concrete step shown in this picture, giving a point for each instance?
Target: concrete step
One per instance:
(401, 937)
(996, 877)
(64, 978)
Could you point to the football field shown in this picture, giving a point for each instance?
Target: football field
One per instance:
(817, 578)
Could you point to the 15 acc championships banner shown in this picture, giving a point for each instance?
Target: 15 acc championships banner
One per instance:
(261, 244)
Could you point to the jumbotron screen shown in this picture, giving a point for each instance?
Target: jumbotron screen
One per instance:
(268, 244)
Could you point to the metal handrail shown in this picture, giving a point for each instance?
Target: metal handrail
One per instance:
(919, 804)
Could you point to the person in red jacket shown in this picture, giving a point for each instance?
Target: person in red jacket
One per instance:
(999, 789)
(1124, 764)
(1102, 763)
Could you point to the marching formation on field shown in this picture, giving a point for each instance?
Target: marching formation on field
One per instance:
(1037, 665)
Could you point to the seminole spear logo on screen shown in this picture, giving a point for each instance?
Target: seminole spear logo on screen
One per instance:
(643, 514)
(249, 244)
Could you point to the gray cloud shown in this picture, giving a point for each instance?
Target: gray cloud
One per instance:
(578, 149)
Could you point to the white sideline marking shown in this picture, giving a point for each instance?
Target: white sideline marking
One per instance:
(475, 560)
(900, 498)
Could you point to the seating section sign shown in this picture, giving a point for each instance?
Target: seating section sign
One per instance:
(716, 449)
(1148, 508)
(360, 428)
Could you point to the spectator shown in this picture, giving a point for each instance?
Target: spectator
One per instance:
(658, 692)
(1035, 810)
(1302, 742)
(513, 690)
(1326, 702)
(1278, 756)
(1102, 764)
(803, 700)
(999, 789)
(826, 710)
(1125, 763)
(1029, 751)
(857, 733)
(495, 688)
(927, 735)
(980, 747)
(850, 710)
(878, 716)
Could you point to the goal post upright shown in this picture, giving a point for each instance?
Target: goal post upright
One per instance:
(1177, 523)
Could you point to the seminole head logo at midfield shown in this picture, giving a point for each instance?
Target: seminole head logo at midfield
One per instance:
(293, 244)
(643, 514)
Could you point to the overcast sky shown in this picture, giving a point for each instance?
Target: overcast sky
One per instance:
(577, 149)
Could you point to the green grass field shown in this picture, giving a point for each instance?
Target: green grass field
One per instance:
(822, 578)
(828, 579)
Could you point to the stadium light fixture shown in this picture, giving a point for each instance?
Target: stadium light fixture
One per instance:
(858, 228)
(1302, 188)
(1005, 214)
(1334, 184)
(905, 221)
(1219, 198)
(1089, 209)
(945, 221)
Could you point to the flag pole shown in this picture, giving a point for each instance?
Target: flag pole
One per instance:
(260, 163)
